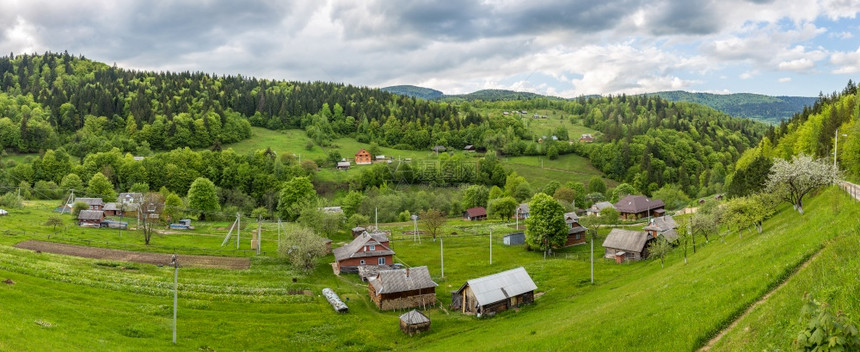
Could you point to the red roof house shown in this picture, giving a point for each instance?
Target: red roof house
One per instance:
(366, 249)
(477, 213)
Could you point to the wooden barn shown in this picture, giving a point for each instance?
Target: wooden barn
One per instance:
(663, 226)
(366, 249)
(414, 322)
(494, 293)
(402, 288)
(626, 245)
(474, 214)
(94, 203)
(343, 165)
(91, 218)
(635, 207)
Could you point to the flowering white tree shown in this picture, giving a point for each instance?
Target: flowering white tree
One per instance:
(793, 180)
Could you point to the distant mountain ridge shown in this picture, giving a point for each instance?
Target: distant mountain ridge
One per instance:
(765, 108)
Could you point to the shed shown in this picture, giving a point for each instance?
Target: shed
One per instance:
(630, 245)
(476, 213)
(91, 218)
(343, 165)
(402, 288)
(514, 239)
(494, 293)
(414, 322)
(597, 207)
(94, 203)
(439, 148)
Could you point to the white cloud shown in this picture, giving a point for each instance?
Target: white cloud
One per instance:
(784, 80)
(841, 35)
(22, 37)
(846, 62)
(801, 64)
(748, 74)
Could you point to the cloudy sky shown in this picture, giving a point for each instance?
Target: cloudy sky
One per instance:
(556, 47)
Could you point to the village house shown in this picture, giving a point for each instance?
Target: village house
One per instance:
(363, 158)
(91, 218)
(121, 209)
(469, 148)
(94, 203)
(332, 210)
(597, 207)
(439, 149)
(402, 288)
(663, 226)
(634, 207)
(575, 231)
(522, 211)
(130, 198)
(366, 249)
(475, 214)
(494, 293)
(343, 165)
(626, 245)
(586, 138)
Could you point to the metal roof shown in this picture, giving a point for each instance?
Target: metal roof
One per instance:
(636, 204)
(403, 280)
(414, 317)
(662, 224)
(500, 286)
(627, 240)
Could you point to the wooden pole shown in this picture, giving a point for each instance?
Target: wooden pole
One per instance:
(592, 255)
(259, 233)
(175, 293)
(442, 255)
(238, 229)
(279, 234)
(491, 246)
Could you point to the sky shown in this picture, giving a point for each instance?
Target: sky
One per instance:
(553, 47)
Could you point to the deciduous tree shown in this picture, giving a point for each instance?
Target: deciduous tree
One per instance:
(545, 226)
(793, 180)
(202, 197)
(302, 247)
(433, 220)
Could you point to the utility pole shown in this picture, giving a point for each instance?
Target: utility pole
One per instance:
(442, 255)
(491, 246)
(238, 229)
(259, 233)
(836, 147)
(175, 264)
(376, 219)
(279, 234)
(593, 233)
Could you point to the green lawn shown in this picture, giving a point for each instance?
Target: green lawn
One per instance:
(68, 303)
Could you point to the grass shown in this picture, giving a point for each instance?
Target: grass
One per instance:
(540, 170)
(68, 303)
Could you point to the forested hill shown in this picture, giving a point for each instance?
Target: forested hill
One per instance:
(812, 132)
(54, 100)
(414, 91)
(770, 109)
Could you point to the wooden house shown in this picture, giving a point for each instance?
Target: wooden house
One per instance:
(414, 322)
(575, 231)
(366, 249)
(439, 148)
(514, 239)
(94, 203)
(363, 157)
(475, 214)
(402, 288)
(357, 231)
(91, 218)
(121, 209)
(634, 207)
(597, 207)
(343, 165)
(469, 148)
(586, 138)
(494, 293)
(626, 245)
(663, 226)
(130, 198)
(522, 211)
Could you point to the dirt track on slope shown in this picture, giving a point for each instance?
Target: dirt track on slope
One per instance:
(192, 261)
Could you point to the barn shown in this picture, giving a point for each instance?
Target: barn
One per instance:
(402, 288)
(626, 245)
(474, 214)
(90, 218)
(414, 322)
(494, 293)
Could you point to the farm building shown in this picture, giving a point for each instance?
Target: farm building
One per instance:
(494, 293)
(332, 210)
(626, 245)
(474, 214)
(366, 249)
(343, 165)
(575, 231)
(368, 272)
(120, 209)
(663, 226)
(597, 207)
(522, 211)
(94, 203)
(91, 218)
(635, 207)
(469, 148)
(402, 288)
(414, 322)
(586, 138)
(363, 158)
(439, 148)
(357, 231)
(514, 239)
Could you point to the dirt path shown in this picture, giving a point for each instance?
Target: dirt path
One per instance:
(193, 261)
(761, 300)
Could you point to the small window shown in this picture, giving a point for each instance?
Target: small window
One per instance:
(373, 247)
(361, 262)
(382, 261)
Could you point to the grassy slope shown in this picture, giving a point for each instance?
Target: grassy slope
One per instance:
(676, 308)
(832, 277)
(98, 304)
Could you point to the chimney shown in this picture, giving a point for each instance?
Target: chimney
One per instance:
(407, 272)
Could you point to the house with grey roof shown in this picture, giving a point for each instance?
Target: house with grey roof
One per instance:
(366, 249)
(597, 207)
(663, 226)
(93, 203)
(494, 293)
(626, 245)
(402, 288)
(522, 211)
(634, 207)
(575, 231)
(91, 218)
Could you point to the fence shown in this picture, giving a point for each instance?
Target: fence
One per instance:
(134, 246)
(852, 189)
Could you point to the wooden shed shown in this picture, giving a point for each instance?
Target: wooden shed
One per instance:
(414, 322)
(494, 293)
(514, 239)
(475, 214)
(626, 245)
(402, 288)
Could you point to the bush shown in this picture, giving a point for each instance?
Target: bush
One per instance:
(825, 331)
(11, 200)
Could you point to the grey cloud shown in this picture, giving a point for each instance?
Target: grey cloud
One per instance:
(694, 17)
